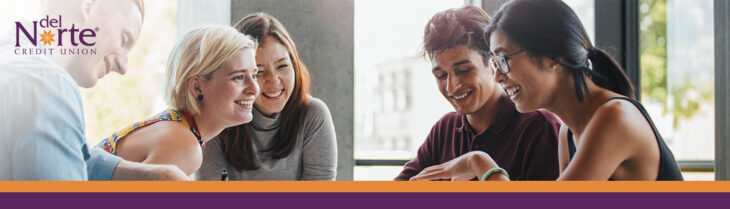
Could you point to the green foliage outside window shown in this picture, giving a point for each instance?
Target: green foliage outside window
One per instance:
(654, 78)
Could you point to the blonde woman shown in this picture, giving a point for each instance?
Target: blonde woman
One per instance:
(211, 85)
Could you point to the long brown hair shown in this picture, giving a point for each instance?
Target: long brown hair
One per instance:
(237, 144)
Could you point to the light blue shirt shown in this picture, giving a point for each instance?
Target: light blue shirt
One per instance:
(42, 123)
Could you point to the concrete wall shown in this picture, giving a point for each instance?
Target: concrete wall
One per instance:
(192, 14)
(323, 31)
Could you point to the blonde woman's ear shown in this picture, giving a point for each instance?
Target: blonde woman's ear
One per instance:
(194, 87)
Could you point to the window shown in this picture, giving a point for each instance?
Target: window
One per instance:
(586, 13)
(677, 76)
(396, 97)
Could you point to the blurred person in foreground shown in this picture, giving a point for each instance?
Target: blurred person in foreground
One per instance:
(42, 134)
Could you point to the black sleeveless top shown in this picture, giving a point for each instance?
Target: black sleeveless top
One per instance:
(668, 169)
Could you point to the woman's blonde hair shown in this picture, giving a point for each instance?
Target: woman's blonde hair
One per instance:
(200, 53)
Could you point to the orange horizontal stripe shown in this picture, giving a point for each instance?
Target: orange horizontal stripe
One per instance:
(363, 186)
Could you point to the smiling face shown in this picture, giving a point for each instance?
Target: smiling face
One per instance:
(464, 79)
(119, 24)
(530, 83)
(229, 94)
(276, 76)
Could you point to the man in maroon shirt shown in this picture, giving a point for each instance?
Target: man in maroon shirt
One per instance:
(524, 144)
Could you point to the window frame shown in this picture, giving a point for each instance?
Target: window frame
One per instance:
(722, 90)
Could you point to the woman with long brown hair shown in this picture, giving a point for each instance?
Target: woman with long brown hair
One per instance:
(292, 136)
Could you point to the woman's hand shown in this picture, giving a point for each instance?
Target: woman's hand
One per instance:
(463, 168)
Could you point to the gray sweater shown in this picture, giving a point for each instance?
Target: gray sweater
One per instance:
(313, 158)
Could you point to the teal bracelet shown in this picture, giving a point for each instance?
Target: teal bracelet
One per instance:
(494, 170)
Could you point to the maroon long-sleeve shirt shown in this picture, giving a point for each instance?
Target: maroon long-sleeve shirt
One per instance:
(524, 144)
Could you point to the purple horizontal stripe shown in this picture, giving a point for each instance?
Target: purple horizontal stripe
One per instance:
(365, 200)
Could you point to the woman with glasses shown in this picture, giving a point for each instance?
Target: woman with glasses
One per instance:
(543, 59)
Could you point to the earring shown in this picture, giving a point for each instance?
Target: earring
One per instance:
(200, 97)
(555, 67)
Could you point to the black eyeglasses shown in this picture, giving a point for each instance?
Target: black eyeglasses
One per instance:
(499, 62)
